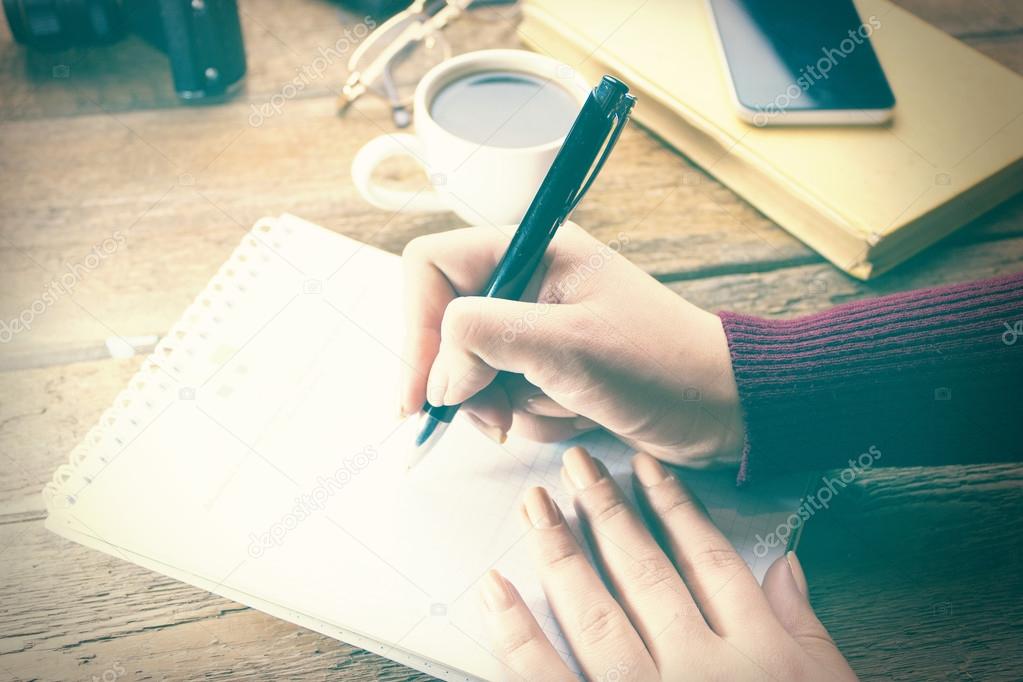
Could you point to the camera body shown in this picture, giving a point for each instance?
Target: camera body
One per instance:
(202, 38)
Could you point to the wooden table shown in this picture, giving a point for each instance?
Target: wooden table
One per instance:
(917, 573)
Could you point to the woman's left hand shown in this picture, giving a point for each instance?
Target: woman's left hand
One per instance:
(692, 610)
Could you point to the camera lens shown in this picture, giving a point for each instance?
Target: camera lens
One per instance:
(60, 24)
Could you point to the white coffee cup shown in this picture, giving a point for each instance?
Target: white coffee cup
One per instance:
(482, 184)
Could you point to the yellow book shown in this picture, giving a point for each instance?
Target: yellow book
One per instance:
(865, 197)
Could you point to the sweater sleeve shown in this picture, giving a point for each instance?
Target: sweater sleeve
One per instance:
(923, 377)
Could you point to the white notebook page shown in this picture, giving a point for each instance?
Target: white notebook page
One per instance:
(258, 455)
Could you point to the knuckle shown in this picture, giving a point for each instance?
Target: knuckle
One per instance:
(517, 644)
(602, 503)
(560, 553)
(652, 573)
(599, 623)
(672, 501)
(715, 558)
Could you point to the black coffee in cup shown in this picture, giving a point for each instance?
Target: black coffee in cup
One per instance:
(505, 109)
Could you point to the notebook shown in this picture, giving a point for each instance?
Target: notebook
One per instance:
(257, 455)
(866, 198)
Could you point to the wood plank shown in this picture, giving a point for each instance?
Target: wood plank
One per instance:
(1006, 49)
(916, 573)
(44, 413)
(72, 613)
(805, 289)
(968, 18)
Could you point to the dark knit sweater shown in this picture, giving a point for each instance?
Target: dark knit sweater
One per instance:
(924, 377)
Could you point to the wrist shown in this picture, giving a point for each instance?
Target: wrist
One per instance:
(708, 393)
(727, 388)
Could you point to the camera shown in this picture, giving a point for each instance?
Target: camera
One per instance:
(202, 38)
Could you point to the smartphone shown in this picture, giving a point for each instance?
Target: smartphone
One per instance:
(792, 62)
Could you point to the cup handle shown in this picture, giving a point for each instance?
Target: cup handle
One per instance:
(377, 150)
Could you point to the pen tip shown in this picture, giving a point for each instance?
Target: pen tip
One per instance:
(430, 431)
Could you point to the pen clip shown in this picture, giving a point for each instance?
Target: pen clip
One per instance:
(622, 116)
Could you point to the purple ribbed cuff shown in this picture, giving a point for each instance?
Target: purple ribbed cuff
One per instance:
(925, 376)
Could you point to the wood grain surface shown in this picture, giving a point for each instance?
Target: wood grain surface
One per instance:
(916, 572)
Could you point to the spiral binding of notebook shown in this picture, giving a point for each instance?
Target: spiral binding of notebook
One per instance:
(176, 357)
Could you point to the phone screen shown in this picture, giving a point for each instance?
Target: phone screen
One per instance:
(792, 57)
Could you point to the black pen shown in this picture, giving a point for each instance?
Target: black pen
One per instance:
(586, 148)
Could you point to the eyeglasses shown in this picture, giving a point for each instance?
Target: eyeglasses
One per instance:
(392, 59)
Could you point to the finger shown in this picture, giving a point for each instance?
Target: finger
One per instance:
(642, 577)
(437, 268)
(549, 429)
(539, 418)
(518, 641)
(718, 578)
(490, 410)
(785, 589)
(595, 626)
(527, 397)
(542, 406)
(481, 336)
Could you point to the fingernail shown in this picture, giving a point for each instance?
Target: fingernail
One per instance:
(436, 385)
(797, 573)
(542, 406)
(584, 424)
(435, 394)
(582, 470)
(494, 433)
(540, 509)
(648, 470)
(497, 595)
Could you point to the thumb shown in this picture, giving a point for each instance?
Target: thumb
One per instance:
(786, 591)
(482, 336)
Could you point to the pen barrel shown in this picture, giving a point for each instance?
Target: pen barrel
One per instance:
(444, 413)
(553, 200)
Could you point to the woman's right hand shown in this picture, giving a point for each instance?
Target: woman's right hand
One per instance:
(595, 342)
(666, 597)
